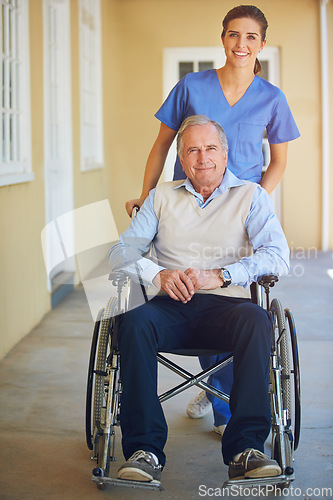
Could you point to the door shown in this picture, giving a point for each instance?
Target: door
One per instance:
(57, 126)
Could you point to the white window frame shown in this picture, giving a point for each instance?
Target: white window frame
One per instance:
(15, 146)
(271, 54)
(91, 116)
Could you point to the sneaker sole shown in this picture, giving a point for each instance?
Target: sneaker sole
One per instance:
(133, 474)
(266, 471)
(194, 417)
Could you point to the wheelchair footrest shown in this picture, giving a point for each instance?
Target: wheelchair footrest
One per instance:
(105, 481)
(277, 482)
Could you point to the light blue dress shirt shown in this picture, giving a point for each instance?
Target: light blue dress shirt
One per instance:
(271, 252)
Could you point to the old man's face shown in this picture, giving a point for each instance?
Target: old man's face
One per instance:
(204, 160)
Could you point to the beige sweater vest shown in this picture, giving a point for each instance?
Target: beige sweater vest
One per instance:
(208, 238)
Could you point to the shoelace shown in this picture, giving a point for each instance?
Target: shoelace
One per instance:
(145, 455)
(248, 453)
(201, 400)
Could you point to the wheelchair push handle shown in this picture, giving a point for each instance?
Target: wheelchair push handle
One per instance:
(135, 210)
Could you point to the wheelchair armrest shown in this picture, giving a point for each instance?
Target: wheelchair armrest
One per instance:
(268, 281)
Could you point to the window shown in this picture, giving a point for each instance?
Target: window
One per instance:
(189, 67)
(91, 85)
(15, 144)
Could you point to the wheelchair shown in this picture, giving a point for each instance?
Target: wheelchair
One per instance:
(103, 396)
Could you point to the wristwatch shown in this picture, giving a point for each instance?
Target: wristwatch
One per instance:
(226, 277)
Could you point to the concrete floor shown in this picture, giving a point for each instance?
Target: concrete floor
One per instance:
(42, 398)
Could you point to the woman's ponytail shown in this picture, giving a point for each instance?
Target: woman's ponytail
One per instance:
(257, 67)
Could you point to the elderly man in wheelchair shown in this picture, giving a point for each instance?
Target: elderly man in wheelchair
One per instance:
(208, 238)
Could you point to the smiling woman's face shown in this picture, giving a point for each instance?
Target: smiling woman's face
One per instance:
(242, 42)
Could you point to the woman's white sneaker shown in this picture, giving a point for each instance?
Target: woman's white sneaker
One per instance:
(199, 406)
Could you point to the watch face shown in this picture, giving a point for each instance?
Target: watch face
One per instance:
(226, 275)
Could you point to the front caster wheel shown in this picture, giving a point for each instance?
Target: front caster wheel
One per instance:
(98, 472)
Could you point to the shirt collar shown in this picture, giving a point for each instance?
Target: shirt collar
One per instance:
(229, 180)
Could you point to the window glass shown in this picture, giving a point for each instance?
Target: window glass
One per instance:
(91, 85)
(185, 68)
(15, 98)
(205, 65)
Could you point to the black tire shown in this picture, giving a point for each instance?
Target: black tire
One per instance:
(282, 339)
(279, 325)
(295, 377)
(90, 381)
(286, 342)
(103, 350)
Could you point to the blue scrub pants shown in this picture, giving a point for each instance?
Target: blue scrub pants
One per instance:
(221, 380)
(207, 321)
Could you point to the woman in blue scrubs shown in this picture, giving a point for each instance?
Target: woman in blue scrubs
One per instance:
(245, 105)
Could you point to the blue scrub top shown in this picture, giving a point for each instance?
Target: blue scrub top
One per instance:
(262, 106)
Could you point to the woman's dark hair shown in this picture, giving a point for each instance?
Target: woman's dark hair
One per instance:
(253, 13)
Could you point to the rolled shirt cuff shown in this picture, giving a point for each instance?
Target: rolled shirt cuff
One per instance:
(239, 274)
(148, 270)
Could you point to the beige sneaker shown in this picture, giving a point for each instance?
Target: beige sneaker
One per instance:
(251, 464)
(141, 466)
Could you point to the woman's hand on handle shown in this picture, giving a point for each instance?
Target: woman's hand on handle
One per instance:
(129, 205)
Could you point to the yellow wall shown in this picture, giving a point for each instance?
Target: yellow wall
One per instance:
(23, 282)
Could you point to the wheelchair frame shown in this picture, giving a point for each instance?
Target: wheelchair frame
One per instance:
(104, 386)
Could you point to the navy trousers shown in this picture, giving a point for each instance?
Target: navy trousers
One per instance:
(207, 321)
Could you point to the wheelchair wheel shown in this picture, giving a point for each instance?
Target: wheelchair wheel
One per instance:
(106, 391)
(295, 385)
(97, 372)
(103, 350)
(287, 388)
(90, 381)
(282, 446)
